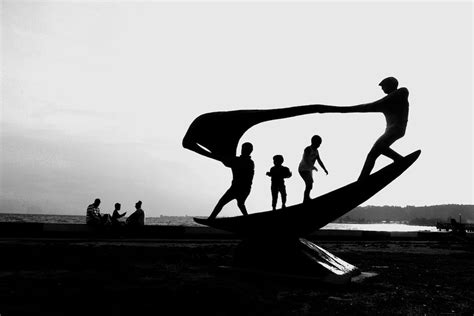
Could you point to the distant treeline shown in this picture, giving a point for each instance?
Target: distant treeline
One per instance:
(415, 215)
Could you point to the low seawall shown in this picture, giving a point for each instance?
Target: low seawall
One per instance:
(45, 230)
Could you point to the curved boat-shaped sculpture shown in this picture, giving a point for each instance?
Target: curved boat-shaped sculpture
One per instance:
(302, 219)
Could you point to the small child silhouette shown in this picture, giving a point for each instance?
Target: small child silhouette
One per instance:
(278, 173)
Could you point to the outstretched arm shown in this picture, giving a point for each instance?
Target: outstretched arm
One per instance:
(360, 108)
(321, 164)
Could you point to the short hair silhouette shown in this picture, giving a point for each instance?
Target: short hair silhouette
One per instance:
(96, 201)
(117, 205)
(316, 139)
(278, 159)
(389, 82)
(247, 148)
(138, 204)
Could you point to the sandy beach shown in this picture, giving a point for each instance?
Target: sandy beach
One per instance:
(171, 277)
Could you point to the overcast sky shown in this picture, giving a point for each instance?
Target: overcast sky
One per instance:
(97, 96)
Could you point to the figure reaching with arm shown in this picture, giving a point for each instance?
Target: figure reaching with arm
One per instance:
(394, 107)
(242, 176)
(216, 134)
(306, 166)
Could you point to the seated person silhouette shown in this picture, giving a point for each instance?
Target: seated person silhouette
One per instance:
(116, 215)
(137, 218)
(93, 216)
(306, 166)
(278, 173)
(242, 177)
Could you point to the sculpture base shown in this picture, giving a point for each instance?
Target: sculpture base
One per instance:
(295, 259)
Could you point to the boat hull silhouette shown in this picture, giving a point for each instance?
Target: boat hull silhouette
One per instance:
(302, 219)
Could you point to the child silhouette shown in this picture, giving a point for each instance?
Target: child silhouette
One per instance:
(278, 173)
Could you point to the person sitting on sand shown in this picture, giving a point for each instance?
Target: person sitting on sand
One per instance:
(306, 166)
(137, 218)
(116, 215)
(93, 216)
(242, 173)
(278, 173)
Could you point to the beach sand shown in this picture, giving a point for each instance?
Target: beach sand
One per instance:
(85, 277)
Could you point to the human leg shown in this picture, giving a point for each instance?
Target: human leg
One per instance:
(392, 154)
(228, 196)
(369, 163)
(283, 196)
(274, 190)
(308, 181)
(381, 147)
(241, 197)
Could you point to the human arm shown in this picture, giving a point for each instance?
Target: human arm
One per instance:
(376, 106)
(321, 164)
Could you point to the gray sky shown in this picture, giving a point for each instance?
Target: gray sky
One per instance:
(96, 97)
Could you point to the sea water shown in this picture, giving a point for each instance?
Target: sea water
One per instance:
(188, 221)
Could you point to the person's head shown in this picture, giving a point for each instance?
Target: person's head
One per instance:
(97, 202)
(389, 85)
(247, 149)
(117, 206)
(278, 160)
(138, 205)
(316, 141)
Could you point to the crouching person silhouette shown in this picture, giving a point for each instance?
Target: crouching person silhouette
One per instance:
(243, 169)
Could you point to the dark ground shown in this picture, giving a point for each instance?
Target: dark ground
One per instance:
(58, 277)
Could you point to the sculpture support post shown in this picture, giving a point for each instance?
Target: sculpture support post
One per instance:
(296, 258)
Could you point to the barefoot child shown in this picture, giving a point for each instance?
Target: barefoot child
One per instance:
(278, 173)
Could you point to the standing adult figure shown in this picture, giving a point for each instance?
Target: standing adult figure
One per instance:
(394, 107)
(306, 166)
(243, 169)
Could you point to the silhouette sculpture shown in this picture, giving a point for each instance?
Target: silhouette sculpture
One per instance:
(242, 172)
(278, 173)
(216, 134)
(274, 241)
(394, 106)
(306, 166)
